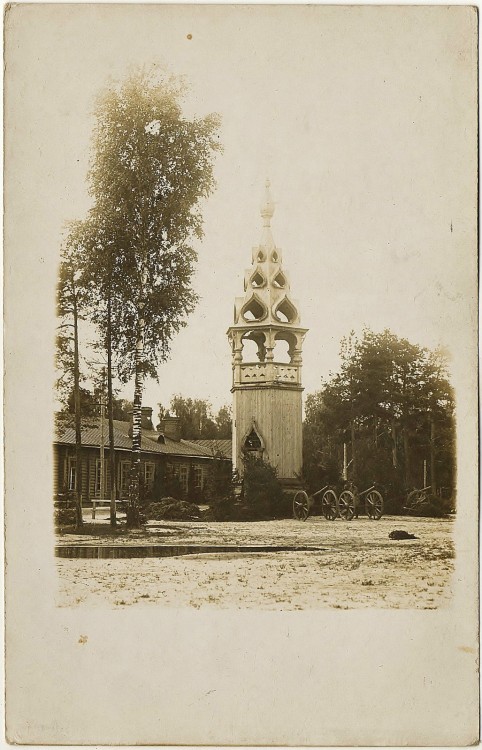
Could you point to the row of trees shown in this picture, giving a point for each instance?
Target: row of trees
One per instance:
(197, 419)
(126, 269)
(90, 401)
(392, 405)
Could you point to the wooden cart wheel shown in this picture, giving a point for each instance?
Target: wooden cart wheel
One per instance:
(346, 505)
(301, 506)
(374, 505)
(413, 501)
(329, 505)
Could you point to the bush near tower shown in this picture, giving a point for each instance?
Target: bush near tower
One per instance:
(262, 492)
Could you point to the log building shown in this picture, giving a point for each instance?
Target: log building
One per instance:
(164, 456)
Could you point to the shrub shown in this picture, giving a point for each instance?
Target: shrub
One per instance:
(219, 491)
(262, 493)
(65, 517)
(171, 509)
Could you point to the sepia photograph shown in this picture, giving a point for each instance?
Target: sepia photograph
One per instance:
(241, 326)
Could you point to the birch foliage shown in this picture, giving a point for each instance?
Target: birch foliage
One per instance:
(150, 172)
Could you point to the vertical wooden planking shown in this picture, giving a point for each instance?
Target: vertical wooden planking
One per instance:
(277, 412)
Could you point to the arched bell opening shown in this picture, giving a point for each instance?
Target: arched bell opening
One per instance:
(254, 310)
(257, 280)
(254, 347)
(285, 312)
(274, 256)
(281, 352)
(279, 281)
(261, 257)
(285, 347)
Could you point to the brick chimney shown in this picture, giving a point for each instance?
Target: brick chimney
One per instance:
(171, 427)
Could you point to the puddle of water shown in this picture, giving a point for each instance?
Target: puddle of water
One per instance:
(169, 550)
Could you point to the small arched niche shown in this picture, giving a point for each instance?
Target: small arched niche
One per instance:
(261, 257)
(252, 443)
(254, 310)
(274, 256)
(257, 280)
(285, 312)
(279, 281)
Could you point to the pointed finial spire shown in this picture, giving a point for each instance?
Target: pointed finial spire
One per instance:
(267, 209)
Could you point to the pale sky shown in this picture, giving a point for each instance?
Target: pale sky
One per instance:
(363, 119)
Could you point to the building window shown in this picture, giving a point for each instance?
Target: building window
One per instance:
(147, 475)
(71, 474)
(97, 477)
(181, 471)
(149, 469)
(198, 477)
(125, 468)
(184, 476)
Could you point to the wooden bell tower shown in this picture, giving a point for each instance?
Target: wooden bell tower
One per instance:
(266, 341)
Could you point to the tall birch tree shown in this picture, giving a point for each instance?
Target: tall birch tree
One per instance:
(151, 170)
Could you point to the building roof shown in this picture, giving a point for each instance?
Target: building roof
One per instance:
(91, 438)
(216, 447)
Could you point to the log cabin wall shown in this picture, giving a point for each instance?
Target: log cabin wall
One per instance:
(193, 472)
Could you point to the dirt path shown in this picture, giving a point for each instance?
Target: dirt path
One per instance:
(358, 567)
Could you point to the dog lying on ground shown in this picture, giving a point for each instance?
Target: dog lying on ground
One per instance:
(401, 535)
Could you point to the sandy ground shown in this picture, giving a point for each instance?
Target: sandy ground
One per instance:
(358, 567)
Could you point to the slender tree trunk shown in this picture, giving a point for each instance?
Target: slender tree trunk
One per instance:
(394, 441)
(353, 451)
(433, 478)
(78, 424)
(406, 453)
(133, 515)
(110, 413)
